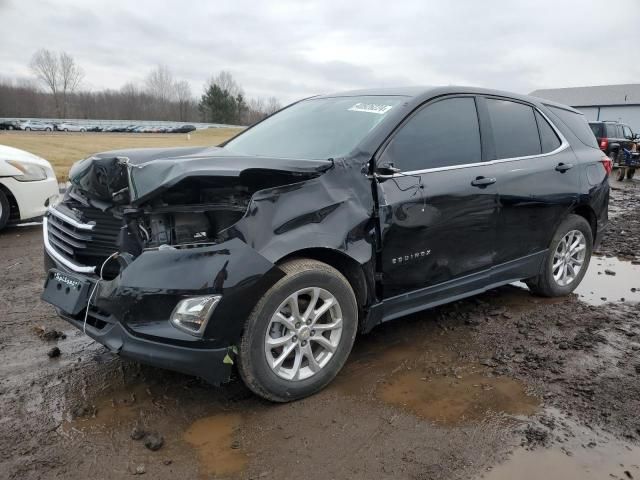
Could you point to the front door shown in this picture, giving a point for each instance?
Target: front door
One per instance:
(438, 214)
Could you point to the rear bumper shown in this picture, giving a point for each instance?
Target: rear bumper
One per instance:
(206, 363)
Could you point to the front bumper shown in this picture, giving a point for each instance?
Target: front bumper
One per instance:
(206, 363)
(33, 198)
(130, 313)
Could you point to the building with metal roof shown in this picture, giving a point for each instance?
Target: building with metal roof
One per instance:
(602, 102)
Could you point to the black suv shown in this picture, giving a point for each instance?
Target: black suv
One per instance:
(338, 213)
(614, 138)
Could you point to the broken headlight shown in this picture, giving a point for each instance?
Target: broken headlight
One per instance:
(192, 314)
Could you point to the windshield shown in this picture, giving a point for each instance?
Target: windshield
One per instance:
(315, 129)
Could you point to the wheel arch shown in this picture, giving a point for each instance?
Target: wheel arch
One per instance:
(586, 212)
(353, 271)
(14, 208)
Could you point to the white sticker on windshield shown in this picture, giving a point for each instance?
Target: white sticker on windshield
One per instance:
(371, 108)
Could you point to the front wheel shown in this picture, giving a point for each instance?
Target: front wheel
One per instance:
(4, 210)
(300, 333)
(567, 259)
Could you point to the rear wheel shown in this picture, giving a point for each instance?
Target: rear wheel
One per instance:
(300, 333)
(5, 209)
(567, 259)
(630, 173)
(620, 174)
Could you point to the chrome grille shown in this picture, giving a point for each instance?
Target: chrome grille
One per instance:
(81, 238)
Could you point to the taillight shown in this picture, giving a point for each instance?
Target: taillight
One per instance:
(607, 164)
(604, 143)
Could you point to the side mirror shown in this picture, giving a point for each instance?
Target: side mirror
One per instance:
(387, 169)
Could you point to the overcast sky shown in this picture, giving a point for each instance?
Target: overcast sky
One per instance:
(292, 49)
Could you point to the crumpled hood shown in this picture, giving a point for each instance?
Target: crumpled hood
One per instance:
(143, 172)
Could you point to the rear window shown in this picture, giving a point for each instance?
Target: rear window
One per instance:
(597, 129)
(612, 131)
(515, 132)
(577, 123)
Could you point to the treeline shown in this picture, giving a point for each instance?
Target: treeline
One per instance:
(56, 92)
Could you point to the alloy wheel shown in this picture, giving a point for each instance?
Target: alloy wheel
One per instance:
(303, 334)
(569, 257)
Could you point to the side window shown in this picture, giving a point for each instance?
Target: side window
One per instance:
(620, 133)
(627, 132)
(515, 132)
(548, 138)
(442, 134)
(611, 130)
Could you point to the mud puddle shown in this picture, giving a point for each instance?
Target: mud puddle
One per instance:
(579, 453)
(213, 439)
(428, 369)
(470, 397)
(610, 280)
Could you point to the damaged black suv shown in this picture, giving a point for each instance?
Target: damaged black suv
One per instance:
(273, 250)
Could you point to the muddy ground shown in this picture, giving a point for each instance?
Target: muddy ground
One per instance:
(500, 386)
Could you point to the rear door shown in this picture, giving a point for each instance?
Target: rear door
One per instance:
(438, 214)
(539, 180)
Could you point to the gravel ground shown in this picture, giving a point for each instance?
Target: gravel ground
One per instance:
(502, 385)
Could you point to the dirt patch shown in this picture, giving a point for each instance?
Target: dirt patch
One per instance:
(213, 438)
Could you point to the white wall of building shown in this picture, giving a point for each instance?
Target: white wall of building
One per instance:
(626, 114)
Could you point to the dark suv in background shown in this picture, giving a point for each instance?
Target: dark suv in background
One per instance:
(334, 215)
(613, 138)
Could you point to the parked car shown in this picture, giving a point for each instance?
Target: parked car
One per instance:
(334, 215)
(35, 125)
(9, 125)
(183, 129)
(70, 127)
(28, 186)
(614, 138)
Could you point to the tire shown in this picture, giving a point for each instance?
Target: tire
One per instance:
(630, 173)
(47, 129)
(5, 210)
(620, 173)
(545, 284)
(28, 129)
(10, 127)
(82, 130)
(66, 129)
(275, 383)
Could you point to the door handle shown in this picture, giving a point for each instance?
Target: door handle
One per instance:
(482, 181)
(563, 167)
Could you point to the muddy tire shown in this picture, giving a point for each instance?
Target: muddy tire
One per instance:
(567, 259)
(620, 174)
(5, 210)
(300, 333)
(630, 173)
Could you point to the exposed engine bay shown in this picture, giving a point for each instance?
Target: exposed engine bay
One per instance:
(123, 214)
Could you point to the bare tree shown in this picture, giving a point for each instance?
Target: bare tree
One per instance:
(161, 84)
(225, 81)
(273, 105)
(184, 98)
(59, 73)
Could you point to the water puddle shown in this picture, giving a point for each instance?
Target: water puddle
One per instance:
(213, 439)
(425, 367)
(578, 453)
(599, 285)
(119, 410)
(457, 400)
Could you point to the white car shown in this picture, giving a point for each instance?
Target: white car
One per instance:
(70, 127)
(29, 125)
(28, 185)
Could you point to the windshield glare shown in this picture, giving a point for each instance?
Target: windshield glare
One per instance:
(315, 129)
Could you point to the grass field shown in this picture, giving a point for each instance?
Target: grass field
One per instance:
(62, 149)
